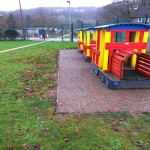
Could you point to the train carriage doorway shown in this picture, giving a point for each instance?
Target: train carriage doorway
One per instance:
(122, 68)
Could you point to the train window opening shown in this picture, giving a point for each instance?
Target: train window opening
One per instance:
(132, 36)
(119, 36)
(128, 63)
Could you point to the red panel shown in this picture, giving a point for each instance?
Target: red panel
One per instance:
(95, 51)
(116, 72)
(92, 42)
(98, 40)
(143, 63)
(124, 30)
(144, 56)
(116, 65)
(116, 61)
(121, 53)
(117, 57)
(141, 36)
(143, 72)
(143, 59)
(143, 68)
(85, 47)
(127, 36)
(126, 45)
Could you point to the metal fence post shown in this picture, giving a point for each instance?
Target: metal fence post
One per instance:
(62, 32)
(43, 33)
(96, 22)
(72, 32)
(146, 18)
(116, 32)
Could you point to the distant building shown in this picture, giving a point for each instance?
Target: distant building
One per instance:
(140, 14)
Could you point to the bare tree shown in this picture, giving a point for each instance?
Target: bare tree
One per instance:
(40, 17)
(121, 9)
(11, 21)
(2, 20)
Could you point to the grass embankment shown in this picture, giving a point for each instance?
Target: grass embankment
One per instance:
(27, 102)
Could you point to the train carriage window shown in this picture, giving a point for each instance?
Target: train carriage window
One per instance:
(132, 36)
(119, 36)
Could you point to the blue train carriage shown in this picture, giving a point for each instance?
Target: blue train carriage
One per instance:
(120, 58)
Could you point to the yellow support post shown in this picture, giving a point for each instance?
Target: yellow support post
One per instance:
(145, 38)
(94, 35)
(134, 56)
(101, 48)
(84, 37)
(78, 32)
(105, 61)
(81, 40)
(88, 42)
(105, 51)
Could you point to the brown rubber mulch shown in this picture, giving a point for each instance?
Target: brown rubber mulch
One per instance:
(81, 91)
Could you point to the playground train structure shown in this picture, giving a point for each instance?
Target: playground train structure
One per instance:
(117, 53)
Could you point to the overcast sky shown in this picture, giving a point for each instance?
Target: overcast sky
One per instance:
(6, 5)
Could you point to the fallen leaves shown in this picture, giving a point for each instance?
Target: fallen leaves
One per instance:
(26, 146)
(8, 148)
(35, 146)
(45, 129)
(76, 130)
(54, 137)
(119, 121)
(66, 139)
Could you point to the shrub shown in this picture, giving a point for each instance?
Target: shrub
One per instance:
(11, 34)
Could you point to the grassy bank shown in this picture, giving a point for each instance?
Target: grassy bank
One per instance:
(28, 82)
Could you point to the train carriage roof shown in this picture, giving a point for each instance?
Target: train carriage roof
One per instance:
(124, 26)
(80, 29)
(90, 28)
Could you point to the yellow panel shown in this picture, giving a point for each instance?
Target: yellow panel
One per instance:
(137, 35)
(133, 60)
(145, 38)
(88, 52)
(81, 46)
(143, 50)
(107, 37)
(101, 48)
(97, 39)
(81, 36)
(105, 61)
(88, 37)
(94, 35)
(78, 32)
(134, 56)
(85, 37)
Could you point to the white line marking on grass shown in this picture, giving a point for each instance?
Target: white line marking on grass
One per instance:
(20, 47)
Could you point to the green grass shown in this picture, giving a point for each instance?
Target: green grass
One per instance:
(27, 104)
(13, 44)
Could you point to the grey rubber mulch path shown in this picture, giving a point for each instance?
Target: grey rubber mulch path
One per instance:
(81, 91)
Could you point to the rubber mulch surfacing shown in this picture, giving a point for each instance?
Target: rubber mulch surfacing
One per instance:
(81, 91)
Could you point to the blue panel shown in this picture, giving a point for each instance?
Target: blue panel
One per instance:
(125, 26)
(41, 31)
